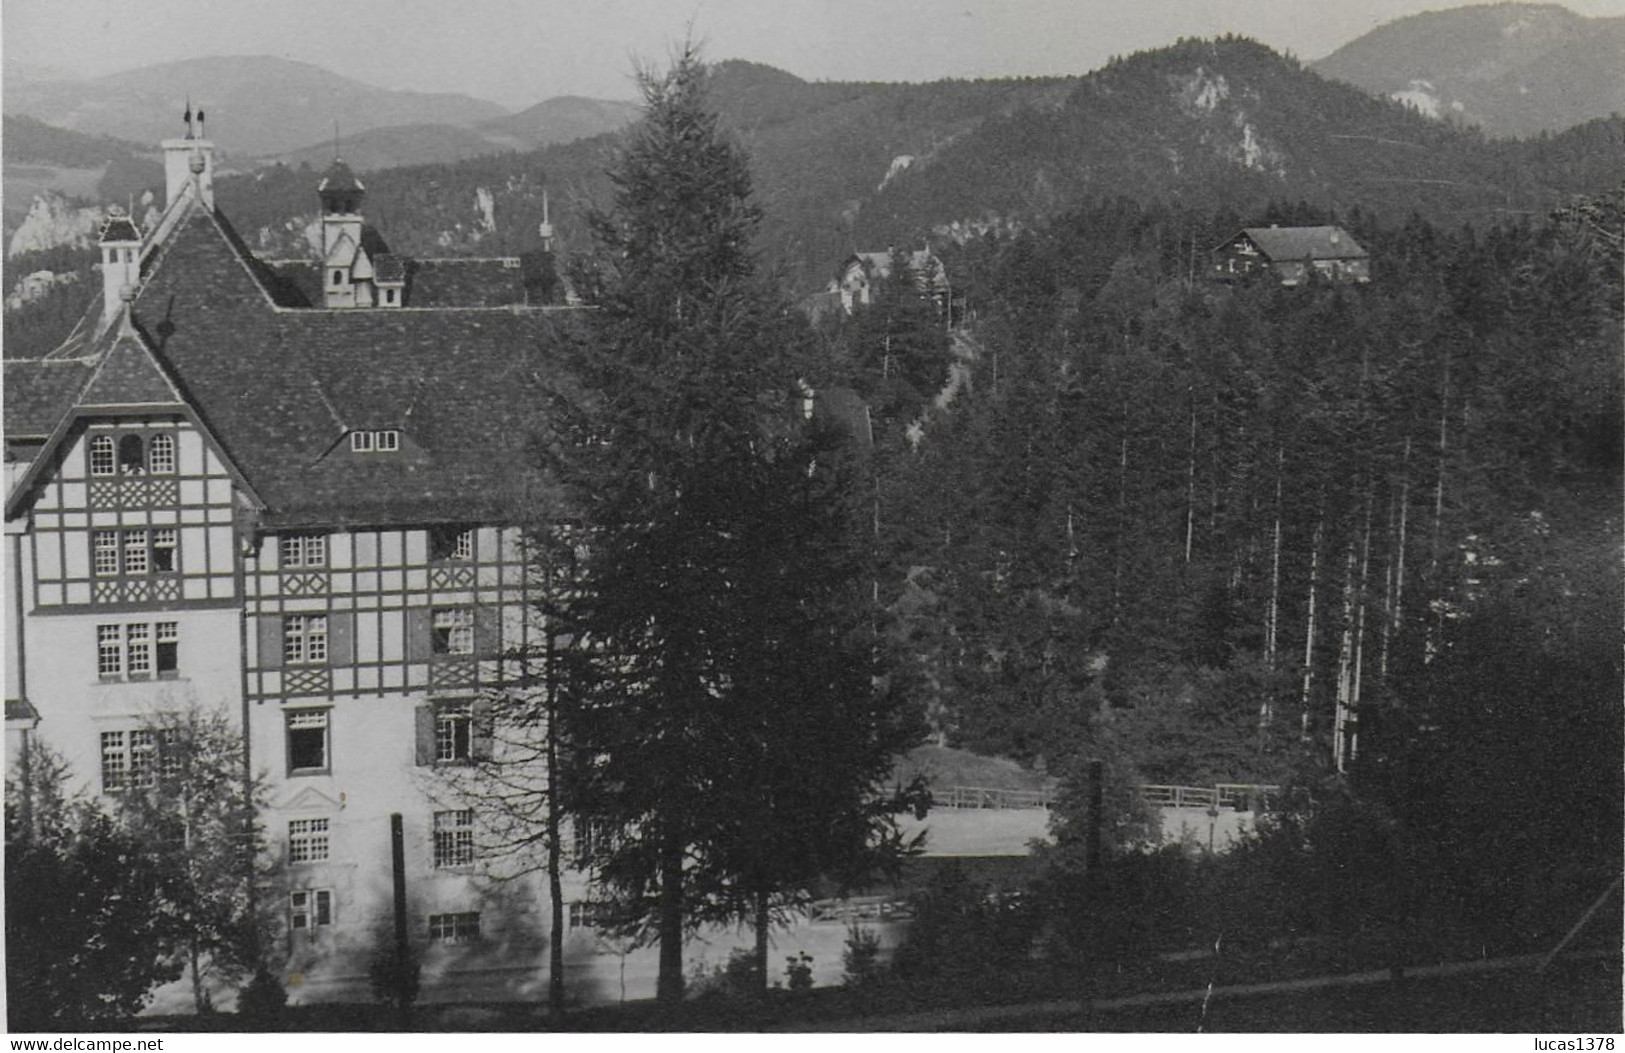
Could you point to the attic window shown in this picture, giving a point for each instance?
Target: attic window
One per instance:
(338, 278)
(389, 297)
(385, 441)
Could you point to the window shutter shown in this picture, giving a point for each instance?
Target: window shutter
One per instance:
(487, 631)
(424, 716)
(341, 638)
(419, 644)
(270, 637)
(484, 729)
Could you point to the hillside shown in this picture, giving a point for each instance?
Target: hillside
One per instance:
(257, 105)
(1511, 69)
(843, 166)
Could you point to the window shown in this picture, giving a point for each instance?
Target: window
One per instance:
(454, 630)
(310, 908)
(164, 543)
(161, 453)
(307, 841)
(307, 742)
(589, 915)
(115, 762)
(389, 297)
(455, 928)
(168, 640)
(138, 758)
(101, 456)
(126, 651)
(133, 552)
(104, 548)
(338, 277)
(591, 837)
(132, 455)
(453, 734)
(454, 838)
(386, 441)
(451, 542)
(109, 651)
(304, 639)
(304, 550)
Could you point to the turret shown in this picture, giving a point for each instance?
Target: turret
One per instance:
(347, 270)
(120, 243)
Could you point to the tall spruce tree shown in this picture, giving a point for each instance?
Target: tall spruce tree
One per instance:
(724, 724)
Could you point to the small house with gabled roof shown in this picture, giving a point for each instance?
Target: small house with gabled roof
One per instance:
(1292, 255)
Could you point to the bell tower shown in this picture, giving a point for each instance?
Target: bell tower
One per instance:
(347, 271)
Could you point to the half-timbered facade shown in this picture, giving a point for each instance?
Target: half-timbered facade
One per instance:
(288, 490)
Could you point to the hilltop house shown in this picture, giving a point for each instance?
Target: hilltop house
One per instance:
(1292, 254)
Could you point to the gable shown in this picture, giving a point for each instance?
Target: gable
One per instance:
(129, 376)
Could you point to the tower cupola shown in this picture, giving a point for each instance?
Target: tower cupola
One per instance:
(347, 268)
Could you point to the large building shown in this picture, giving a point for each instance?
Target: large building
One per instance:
(289, 490)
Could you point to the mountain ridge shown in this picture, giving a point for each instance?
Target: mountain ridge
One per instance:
(1513, 69)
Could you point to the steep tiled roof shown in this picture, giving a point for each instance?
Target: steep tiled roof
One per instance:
(1305, 243)
(39, 391)
(279, 383)
(128, 375)
(429, 283)
(464, 283)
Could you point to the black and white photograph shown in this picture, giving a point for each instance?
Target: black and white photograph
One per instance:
(773, 518)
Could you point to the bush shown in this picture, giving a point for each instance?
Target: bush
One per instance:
(798, 972)
(262, 1001)
(395, 976)
(860, 960)
(737, 978)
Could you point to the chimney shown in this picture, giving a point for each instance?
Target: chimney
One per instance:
(188, 160)
(120, 243)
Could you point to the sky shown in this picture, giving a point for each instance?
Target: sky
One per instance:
(518, 52)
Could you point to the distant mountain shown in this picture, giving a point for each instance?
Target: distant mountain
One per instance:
(28, 141)
(256, 105)
(398, 145)
(1513, 69)
(560, 120)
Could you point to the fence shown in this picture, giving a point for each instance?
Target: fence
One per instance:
(1243, 797)
(988, 797)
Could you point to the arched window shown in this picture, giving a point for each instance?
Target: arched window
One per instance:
(132, 455)
(101, 456)
(161, 454)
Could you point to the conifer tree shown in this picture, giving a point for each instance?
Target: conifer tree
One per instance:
(724, 722)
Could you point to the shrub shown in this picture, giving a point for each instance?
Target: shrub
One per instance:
(860, 960)
(262, 1001)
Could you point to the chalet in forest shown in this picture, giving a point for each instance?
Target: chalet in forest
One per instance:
(1292, 254)
(860, 272)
